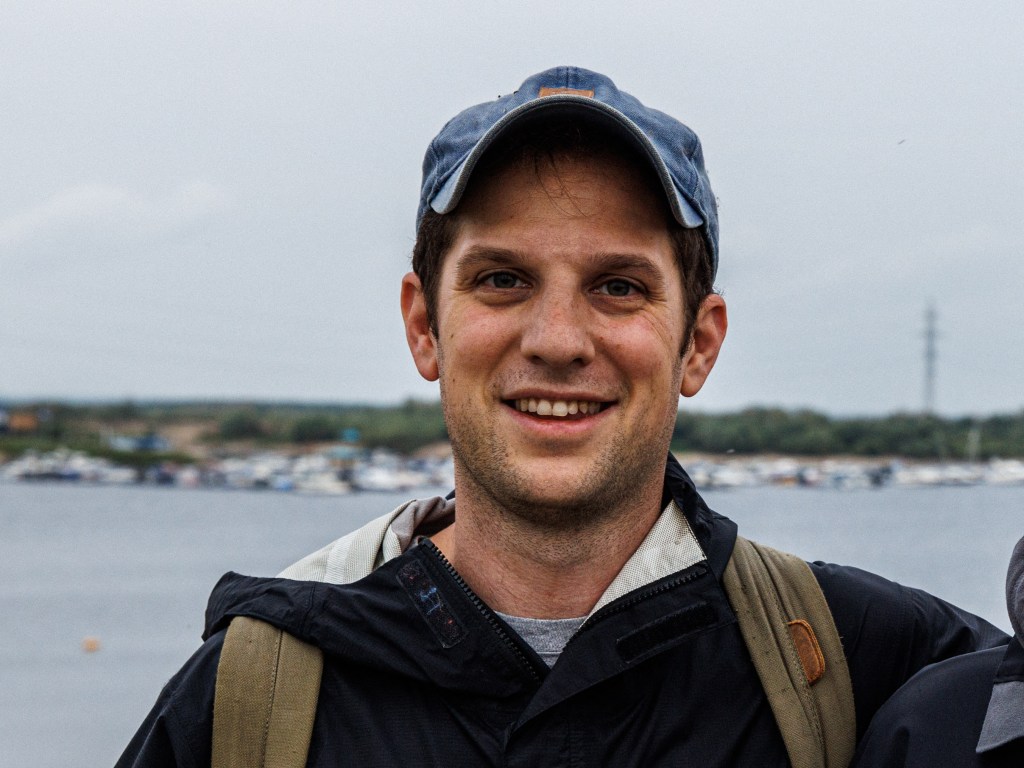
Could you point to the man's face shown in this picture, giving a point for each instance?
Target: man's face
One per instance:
(559, 354)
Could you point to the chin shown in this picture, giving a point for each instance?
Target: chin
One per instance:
(560, 495)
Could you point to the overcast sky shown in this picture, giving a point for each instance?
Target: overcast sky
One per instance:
(217, 199)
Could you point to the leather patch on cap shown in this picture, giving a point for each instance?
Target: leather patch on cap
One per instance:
(559, 91)
(807, 648)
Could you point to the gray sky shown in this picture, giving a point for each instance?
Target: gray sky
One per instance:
(217, 199)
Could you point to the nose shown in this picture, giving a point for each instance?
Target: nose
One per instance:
(558, 330)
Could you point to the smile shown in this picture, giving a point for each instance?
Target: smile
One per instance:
(557, 408)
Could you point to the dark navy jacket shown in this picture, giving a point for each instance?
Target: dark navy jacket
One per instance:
(966, 712)
(659, 676)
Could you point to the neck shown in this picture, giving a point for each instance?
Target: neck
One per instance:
(526, 569)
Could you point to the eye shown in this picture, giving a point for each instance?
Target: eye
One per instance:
(503, 281)
(618, 288)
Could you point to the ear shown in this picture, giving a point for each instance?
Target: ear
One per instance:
(708, 335)
(421, 340)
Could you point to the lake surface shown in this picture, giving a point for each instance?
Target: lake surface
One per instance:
(132, 567)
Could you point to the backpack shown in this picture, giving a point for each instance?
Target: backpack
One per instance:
(268, 681)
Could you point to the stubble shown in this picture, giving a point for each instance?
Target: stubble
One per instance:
(621, 476)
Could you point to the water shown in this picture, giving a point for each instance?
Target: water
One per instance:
(133, 566)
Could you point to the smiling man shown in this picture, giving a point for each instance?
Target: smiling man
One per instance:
(574, 601)
(559, 337)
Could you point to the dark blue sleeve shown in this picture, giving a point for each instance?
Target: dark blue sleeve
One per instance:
(935, 719)
(889, 632)
(178, 730)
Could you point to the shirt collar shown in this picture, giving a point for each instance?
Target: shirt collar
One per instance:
(1004, 719)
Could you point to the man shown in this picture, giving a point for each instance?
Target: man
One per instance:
(964, 712)
(565, 606)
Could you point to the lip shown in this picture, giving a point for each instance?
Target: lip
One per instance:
(554, 427)
(548, 394)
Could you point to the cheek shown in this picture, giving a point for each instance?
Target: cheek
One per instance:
(471, 341)
(647, 350)
(498, 322)
(657, 372)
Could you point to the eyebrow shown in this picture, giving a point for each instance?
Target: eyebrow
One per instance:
(479, 255)
(475, 258)
(628, 262)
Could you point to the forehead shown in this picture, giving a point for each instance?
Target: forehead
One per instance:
(544, 145)
(562, 196)
(583, 218)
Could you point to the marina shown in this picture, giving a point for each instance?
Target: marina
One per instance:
(333, 471)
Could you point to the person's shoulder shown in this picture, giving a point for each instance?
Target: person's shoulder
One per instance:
(877, 609)
(844, 584)
(890, 632)
(179, 727)
(949, 684)
(935, 718)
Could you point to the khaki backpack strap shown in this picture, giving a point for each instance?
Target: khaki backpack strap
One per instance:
(796, 649)
(267, 687)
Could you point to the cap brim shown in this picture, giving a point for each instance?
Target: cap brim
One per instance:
(447, 198)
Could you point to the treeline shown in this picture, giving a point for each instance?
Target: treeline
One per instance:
(404, 428)
(808, 433)
(414, 424)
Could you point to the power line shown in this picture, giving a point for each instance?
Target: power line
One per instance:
(930, 354)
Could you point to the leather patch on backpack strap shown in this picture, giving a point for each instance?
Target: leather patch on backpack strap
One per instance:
(807, 648)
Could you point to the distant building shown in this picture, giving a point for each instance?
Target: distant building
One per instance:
(23, 422)
(149, 443)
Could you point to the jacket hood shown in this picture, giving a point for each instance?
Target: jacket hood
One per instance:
(1003, 722)
(373, 623)
(1015, 589)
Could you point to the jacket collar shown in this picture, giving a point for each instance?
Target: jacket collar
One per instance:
(716, 534)
(687, 532)
(692, 536)
(1004, 719)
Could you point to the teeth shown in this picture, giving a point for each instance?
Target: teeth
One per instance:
(557, 408)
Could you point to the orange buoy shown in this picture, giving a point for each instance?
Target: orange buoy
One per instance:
(90, 644)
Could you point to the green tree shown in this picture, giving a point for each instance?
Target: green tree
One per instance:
(241, 425)
(314, 429)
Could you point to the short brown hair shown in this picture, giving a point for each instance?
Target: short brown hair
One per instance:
(535, 144)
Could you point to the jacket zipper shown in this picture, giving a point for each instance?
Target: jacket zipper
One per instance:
(486, 612)
(698, 570)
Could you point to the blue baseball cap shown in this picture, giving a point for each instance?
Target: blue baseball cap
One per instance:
(673, 149)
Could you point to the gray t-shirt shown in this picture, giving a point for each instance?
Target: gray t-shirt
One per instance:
(546, 636)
